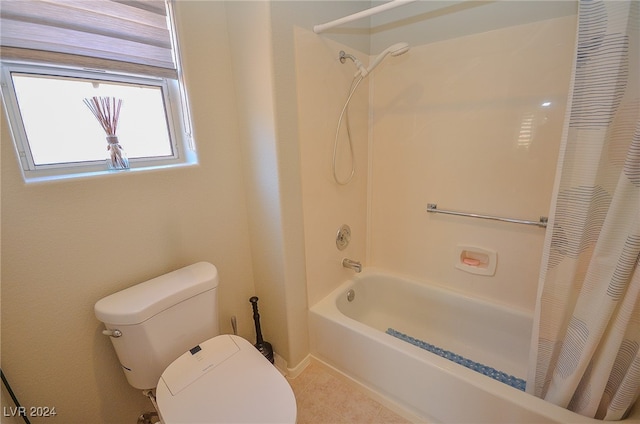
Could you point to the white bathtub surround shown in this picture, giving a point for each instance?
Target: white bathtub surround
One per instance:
(460, 122)
(588, 342)
(350, 337)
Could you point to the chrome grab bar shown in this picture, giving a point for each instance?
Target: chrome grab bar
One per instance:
(432, 207)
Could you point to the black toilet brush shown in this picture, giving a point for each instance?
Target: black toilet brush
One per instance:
(264, 347)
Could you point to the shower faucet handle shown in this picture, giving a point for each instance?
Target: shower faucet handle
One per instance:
(343, 237)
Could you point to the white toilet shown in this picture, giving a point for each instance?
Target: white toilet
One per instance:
(166, 335)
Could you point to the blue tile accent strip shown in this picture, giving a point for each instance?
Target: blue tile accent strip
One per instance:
(503, 377)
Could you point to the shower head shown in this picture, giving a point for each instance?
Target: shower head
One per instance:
(398, 49)
(395, 50)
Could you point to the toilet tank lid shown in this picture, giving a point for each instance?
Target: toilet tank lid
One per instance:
(142, 301)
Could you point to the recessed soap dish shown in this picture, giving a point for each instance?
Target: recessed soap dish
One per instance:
(475, 260)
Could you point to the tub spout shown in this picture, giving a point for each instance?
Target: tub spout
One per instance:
(354, 265)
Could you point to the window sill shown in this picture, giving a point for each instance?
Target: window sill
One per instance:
(33, 177)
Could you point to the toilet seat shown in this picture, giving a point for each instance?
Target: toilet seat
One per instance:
(224, 380)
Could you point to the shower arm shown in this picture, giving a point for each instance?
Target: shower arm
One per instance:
(361, 69)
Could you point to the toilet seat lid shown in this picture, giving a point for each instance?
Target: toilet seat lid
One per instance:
(224, 380)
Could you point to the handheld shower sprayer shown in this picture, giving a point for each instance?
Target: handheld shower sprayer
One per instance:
(395, 50)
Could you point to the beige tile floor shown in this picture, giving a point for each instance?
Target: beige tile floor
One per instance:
(324, 397)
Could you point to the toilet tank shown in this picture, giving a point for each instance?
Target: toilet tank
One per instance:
(161, 319)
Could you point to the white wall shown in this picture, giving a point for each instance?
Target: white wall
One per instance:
(251, 54)
(65, 245)
(272, 175)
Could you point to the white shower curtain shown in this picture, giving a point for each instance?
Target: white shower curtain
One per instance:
(586, 341)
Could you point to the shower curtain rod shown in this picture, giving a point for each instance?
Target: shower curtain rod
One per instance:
(359, 15)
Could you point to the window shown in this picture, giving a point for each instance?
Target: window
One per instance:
(55, 132)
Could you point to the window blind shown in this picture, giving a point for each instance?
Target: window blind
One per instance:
(126, 35)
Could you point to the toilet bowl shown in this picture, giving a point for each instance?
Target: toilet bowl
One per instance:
(166, 336)
(224, 380)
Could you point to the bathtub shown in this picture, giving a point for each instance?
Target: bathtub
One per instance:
(351, 337)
